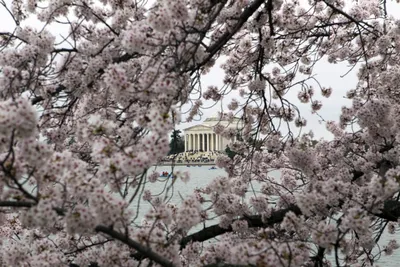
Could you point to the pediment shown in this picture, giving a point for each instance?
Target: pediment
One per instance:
(198, 128)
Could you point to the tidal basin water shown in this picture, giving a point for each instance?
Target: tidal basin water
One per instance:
(200, 176)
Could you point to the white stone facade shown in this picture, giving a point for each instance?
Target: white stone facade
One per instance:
(202, 137)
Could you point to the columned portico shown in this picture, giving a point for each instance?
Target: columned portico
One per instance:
(202, 140)
(202, 137)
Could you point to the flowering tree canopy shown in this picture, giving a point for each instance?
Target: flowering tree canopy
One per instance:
(84, 118)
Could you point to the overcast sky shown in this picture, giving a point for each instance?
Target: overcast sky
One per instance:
(329, 75)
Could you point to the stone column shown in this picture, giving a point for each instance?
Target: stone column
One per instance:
(202, 142)
(214, 145)
(216, 141)
(190, 142)
(197, 142)
(208, 142)
(212, 141)
(205, 142)
(185, 142)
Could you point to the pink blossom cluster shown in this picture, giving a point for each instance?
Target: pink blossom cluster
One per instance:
(18, 117)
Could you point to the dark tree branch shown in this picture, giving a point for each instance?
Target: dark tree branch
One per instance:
(228, 265)
(213, 49)
(17, 204)
(135, 245)
(390, 212)
(362, 24)
(270, 19)
(80, 249)
(247, 13)
(319, 258)
(38, 99)
(60, 88)
(61, 50)
(253, 222)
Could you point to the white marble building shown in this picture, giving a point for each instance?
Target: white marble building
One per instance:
(202, 137)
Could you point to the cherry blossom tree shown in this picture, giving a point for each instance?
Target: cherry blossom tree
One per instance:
(84, 119)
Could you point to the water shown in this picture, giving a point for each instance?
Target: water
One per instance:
(202, 176)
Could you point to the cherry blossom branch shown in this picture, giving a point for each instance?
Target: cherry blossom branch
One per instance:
(254, 221)
(3, 3)
(247, 13)
(348, 16)
(77, 250)
(58, 90)
(390, 212)
(135, 245)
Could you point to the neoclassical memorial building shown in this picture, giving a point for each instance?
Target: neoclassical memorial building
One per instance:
(202, 137)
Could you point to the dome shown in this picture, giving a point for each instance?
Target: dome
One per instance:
(214, 120)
